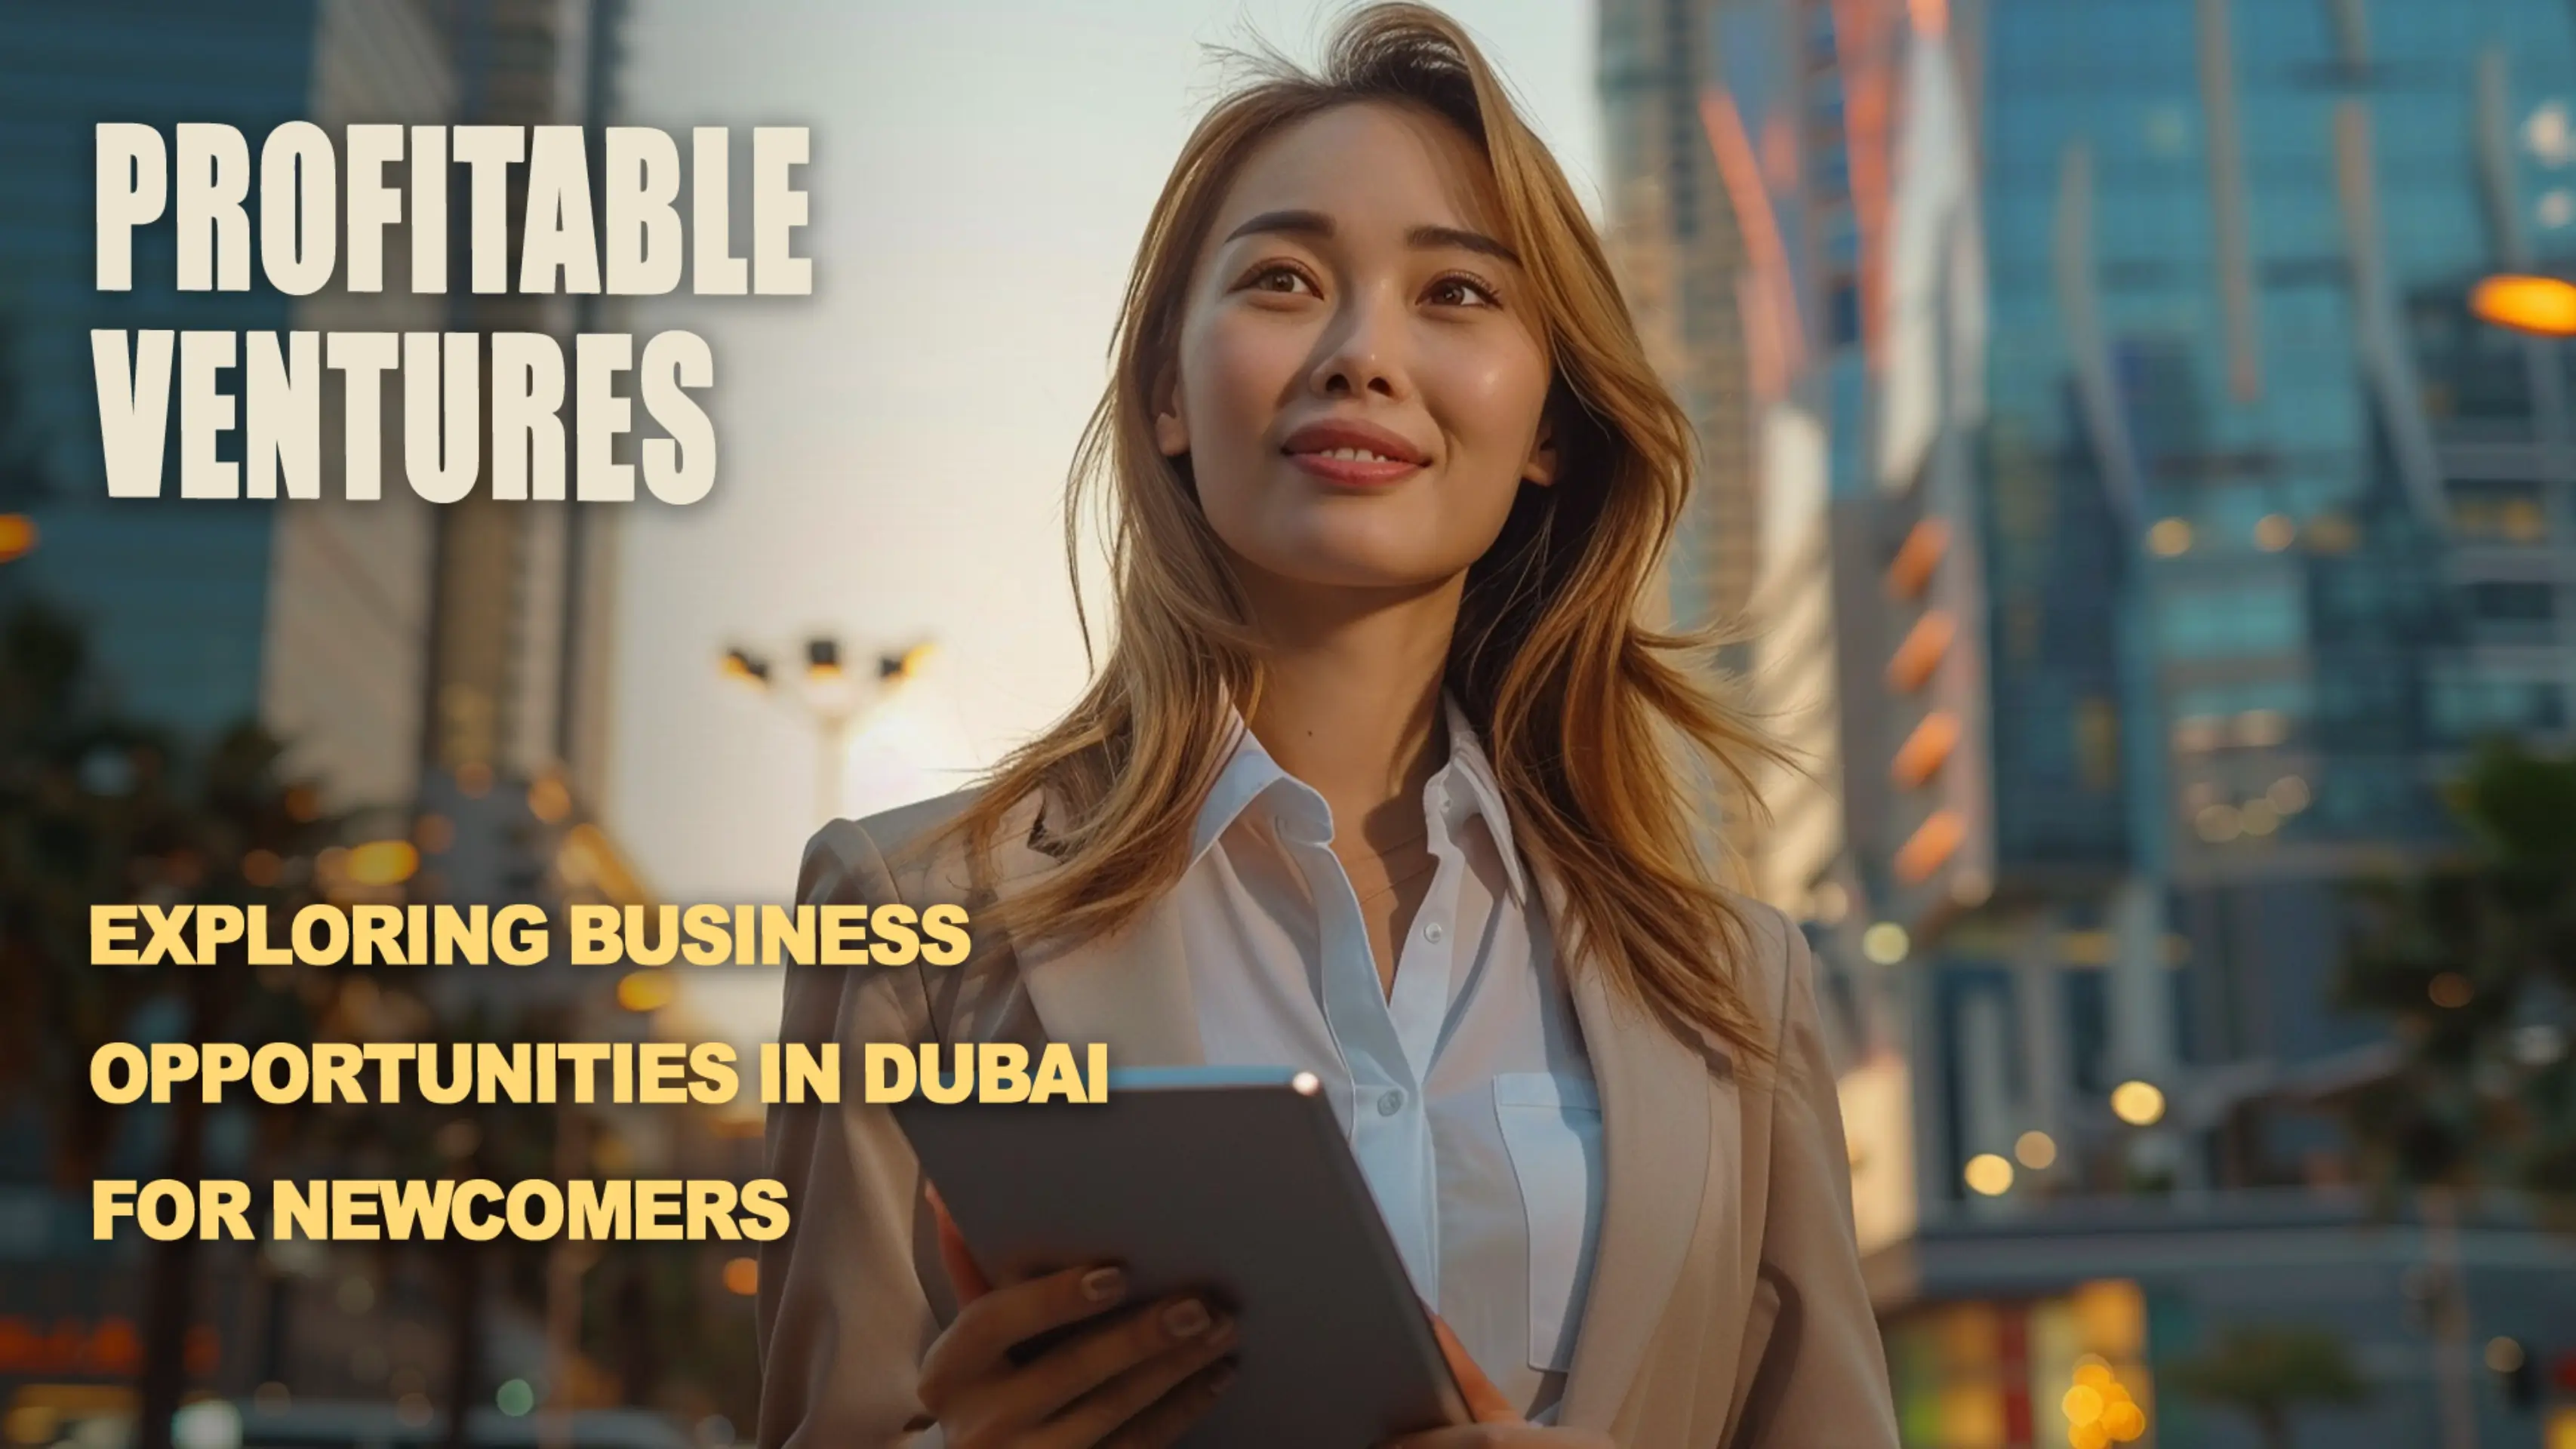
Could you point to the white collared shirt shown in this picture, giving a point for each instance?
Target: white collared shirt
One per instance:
(1466, 1091)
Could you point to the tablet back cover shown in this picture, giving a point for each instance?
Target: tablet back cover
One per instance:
(1233, 1181)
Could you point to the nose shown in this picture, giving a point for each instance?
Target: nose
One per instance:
(1363, 351)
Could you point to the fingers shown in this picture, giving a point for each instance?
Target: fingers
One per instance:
(1484, 1401)
(1501, 1436)
(1144, 1341)
(964, 1277)
(1140, 1379)
(973, 1347)
(1153, 1401)
(1171, 1416)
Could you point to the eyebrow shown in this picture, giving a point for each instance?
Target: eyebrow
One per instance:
(1420, 238)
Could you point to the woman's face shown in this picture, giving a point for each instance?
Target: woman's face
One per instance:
(1361, 377)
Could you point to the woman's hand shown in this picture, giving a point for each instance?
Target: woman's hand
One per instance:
(1498, 1425)
(1134, 1383)
(1518, 1434)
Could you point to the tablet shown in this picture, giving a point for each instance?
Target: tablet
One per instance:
(1237, 1182)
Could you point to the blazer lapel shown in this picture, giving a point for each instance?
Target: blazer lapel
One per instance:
(1131, 990)
(1655, 1092)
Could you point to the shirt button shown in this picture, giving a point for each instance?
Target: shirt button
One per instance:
(1433, 932)
(1390, 1103)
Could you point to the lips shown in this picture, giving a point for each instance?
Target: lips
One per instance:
(1354, 454)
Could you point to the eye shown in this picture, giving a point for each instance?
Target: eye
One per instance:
(1282, 278)
(1459, 290)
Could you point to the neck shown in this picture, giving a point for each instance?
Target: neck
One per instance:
(1351, 700)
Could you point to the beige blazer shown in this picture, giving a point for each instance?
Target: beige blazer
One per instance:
(1726, 1308)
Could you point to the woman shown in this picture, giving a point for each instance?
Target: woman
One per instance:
(1378, 780)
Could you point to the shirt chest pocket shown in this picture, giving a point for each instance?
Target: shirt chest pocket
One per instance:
(1551, 1128)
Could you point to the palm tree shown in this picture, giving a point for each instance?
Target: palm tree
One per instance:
(2266, 1372)
(94, 807)
(2469, 960)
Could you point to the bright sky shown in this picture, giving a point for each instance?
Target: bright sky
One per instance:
(894, 447)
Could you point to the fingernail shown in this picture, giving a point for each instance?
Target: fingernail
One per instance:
(1102, 1284)
(1186, 1319)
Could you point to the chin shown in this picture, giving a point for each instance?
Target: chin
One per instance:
(1351, 542)
(1332, 558)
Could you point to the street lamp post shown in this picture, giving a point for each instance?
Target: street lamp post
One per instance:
(829, 700)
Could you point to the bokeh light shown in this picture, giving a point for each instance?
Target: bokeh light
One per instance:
(2140, 1104)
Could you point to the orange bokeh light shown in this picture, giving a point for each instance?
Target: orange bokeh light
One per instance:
(1922, 651)
(1931, 845)
(1925, 750)
(2542, 305)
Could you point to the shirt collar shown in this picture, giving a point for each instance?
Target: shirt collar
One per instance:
(1251, 773)
(1468, 762)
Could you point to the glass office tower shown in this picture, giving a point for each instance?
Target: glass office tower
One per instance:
(2185, 532)
(2272, 528)
(175, 595)
(316, 617)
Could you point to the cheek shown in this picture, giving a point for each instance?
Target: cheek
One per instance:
(1492, 392)
(1235, 371)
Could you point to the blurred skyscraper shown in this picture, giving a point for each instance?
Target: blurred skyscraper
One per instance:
(438, 671)
(376, 638)
(1696, 233)
(176, 594)
(2185, 530)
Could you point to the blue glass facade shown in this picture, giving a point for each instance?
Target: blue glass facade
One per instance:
(2190, 530)
(175, 595)
(2306, 539)
(2306, 612)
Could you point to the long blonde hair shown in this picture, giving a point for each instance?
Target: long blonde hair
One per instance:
(1578, 702)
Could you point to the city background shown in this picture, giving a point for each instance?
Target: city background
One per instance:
(2148, 497)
